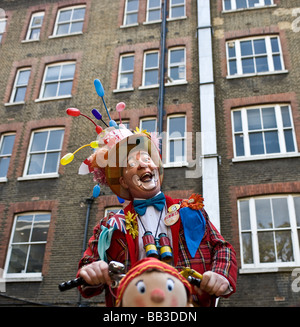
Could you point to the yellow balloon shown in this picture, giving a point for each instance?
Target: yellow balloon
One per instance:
(94, 144)
(66, 159)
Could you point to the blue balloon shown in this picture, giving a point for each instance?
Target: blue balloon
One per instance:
(121, 200)
(112, 123)
(97, 114)
(99, 88)
(96, 191)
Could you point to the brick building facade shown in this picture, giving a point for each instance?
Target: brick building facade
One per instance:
(50, 53)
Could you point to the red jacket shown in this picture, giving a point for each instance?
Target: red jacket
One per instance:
(214, 254)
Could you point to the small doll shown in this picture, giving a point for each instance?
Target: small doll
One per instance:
(153, 283)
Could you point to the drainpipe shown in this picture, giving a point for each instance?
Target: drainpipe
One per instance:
(89, 202)
(210, 158)
(160, 104)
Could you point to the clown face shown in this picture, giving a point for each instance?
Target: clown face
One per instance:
(140, 177)
(155, 289)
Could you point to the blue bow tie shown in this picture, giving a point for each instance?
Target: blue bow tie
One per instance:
(158, 202)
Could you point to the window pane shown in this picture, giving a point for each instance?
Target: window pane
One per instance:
(63, 29)
(246, 48)
(231, 49)
(132, 5)
(232, 67)
(177, 11)
(245, 215)
(248, 66)
(76, 27)
(36, 164)
(289, 141)
(272, 142)
(50, 90)
(34, 34)
(286, 119)
(7, 144)
(127, 63)
(239, 145)
(52, 73)
(65, 15)
(227, 4)
(65, 88)
(151, 77)
(177, 127)
(20, 94)
(51, 162)
(247, 248)
(154, 3)
(18, 259)
(281, 213)
(39, 141)
(177, 56)
(36, 256)
(253, 2)
(37, 20)
(237, 118)
(154, 15)
(274, 44)
(55, 140)
(126, 80)
(23, 77)
(256, 143)
(253, 116)
(22, 229)
(261, 64)
(149, 125)
(277, 62)
(269, 118)
(4, 164)
(266, 247)
(297, 209)
(284, 246)
(241, 4)
(131, 19)
(40, 228)
(67, 71)
(151, 60)
(78, 13)
(259, 46)
(263, 213)
(177, 151)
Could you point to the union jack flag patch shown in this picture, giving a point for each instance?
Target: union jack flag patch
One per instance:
(118, 221)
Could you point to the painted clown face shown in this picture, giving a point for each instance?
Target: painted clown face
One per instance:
(140, 177)
(155, 289)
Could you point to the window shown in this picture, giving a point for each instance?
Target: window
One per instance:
(149, 124)
(177, 8)
(27, 245)
(176, 139)
(111, 209)
(263, 131)
(6, 147)
(177, 65)
(126, 66)
(269, 231)
(243, 4)
(20, 85)
(131, 12)
(2, 28)
(254, 56)
(69, 21)
(151, 66)
(153, 10)
(58, 80)
(35, 26)
(44, 152)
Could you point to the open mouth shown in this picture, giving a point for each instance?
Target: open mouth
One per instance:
(146, 181)
(147, 177)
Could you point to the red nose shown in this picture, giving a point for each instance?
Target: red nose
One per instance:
(157, 295)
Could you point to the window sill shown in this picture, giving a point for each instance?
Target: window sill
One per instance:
(152, 22)
(36, 177)
(267, 269)
(175, 164)
(123, 90)
(183, 82)
(55, 98)
(129, 25)
(258, 74)
(170, 19)
(30, 41)
(11, 104)
(3, 180)
(21, 279)
(154, 86)
(64, 35)
(267, 157)
(247, 9)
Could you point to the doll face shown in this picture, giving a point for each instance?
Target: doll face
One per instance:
(155, 289)
(141, 176)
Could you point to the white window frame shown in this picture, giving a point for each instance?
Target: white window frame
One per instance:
(44, 151)
(258, 266)
(2, 31)
(70, 21)
(153, 9)
(147, 119)
(23, 276)
(177, 81)
(126, 13)
(120, 73)
(149, 69)
(261, 4)
(238, 57)
(172, 5)
(30, 27)
(280, 130)
(16, 86)
(183, 162)
(41, 98)
(8, 155)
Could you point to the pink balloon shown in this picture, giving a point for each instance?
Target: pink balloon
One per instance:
(120, 106)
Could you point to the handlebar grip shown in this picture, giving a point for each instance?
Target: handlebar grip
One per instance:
(71, 284)
(194, 281)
